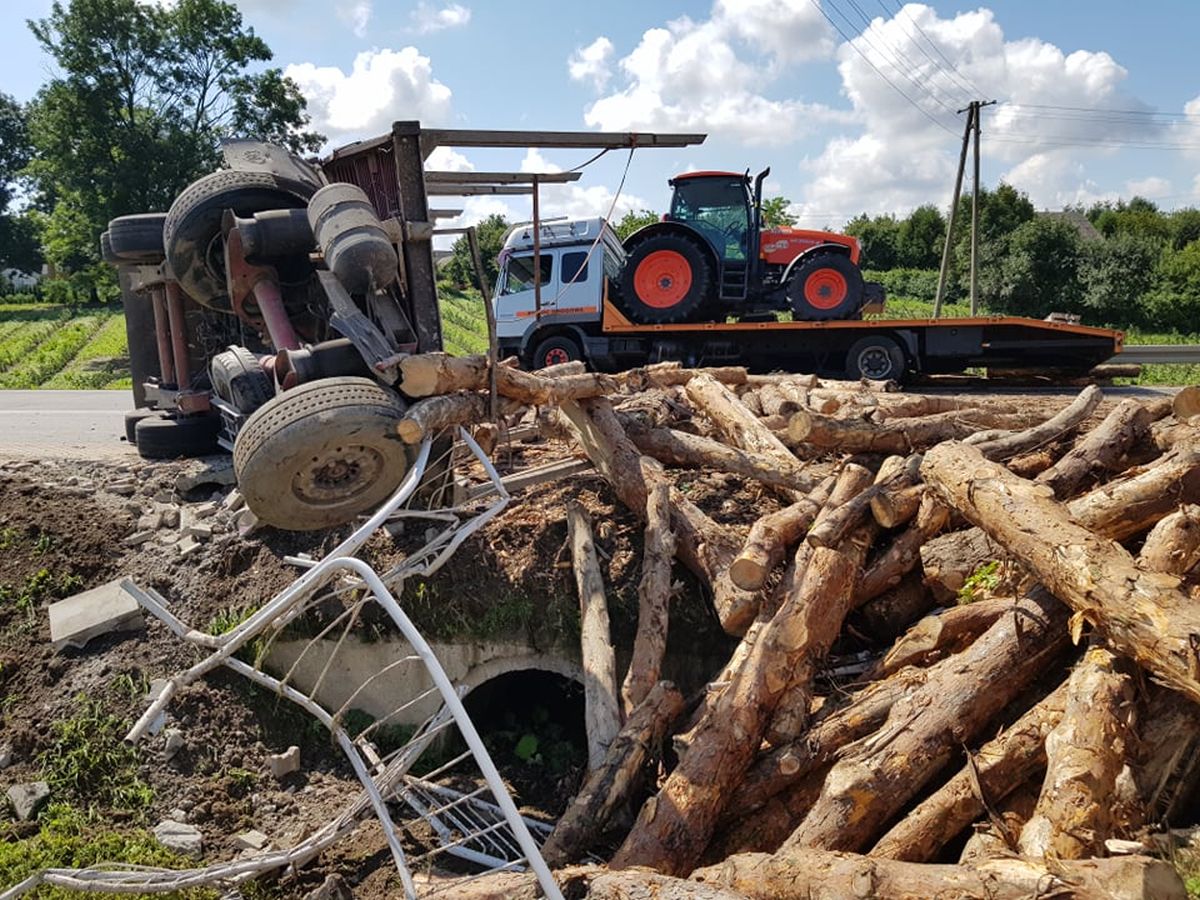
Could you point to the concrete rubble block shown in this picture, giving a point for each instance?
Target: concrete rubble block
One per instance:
(247, 522)
(138, 538)
(170, 517)
(252, 840)
(173, 743)
(333, 888)
(6, 756)
(233, 501)
(107, 609)
(283, 764)
(189, 546)
(164, 496)
(218, 472)
(27, 799)
(204, 510)
(150, 521)
(180, 837)
(124, 487)
(199, 532)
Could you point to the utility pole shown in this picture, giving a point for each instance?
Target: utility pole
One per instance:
(972, 110)
(975, 210)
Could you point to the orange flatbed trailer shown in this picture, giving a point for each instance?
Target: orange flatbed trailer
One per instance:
(930, 346)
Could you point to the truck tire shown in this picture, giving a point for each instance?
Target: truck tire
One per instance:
(163, 437)
(825, 286)
(320, 454)
(137, 238)
(239, 379)
(877, 357)
(106, 251)
(193, 225)
(666, 278)
(554, 351)
(131, 420)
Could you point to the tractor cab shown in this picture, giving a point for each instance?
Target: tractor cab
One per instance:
(719, 206)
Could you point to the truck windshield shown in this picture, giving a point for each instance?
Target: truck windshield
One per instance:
(717, 208)
(519, 274)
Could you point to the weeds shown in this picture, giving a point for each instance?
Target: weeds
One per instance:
(70, 838)
(985, 578)
(89, 761)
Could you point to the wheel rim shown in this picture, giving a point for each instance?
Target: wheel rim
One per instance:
(337, 474)
(663, 279)
(825, 288)
(556, 356)
(875, 363)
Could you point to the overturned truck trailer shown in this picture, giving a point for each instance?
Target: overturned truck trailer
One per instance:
(269, 307)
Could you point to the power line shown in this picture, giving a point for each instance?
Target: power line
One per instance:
(973, 89)
(1089, 109)
(867, 60)
(951, 72)
(898, 57)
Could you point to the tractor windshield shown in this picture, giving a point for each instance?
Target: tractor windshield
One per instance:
(718, 209)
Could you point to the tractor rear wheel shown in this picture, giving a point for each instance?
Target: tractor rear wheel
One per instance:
(826, 286)
(666, 278)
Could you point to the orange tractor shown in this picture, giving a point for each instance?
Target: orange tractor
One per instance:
(710, 258)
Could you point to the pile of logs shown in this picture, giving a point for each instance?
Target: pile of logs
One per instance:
(1022, 588)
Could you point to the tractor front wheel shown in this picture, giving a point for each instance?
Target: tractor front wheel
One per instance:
(826, 286)
(666, 278)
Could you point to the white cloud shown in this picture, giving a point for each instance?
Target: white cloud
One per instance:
(428, 17)
(907, 152)
(356, 14)
(1150, 187)
(381, 87)
(591, 63)
(444, 159)
(691, 75)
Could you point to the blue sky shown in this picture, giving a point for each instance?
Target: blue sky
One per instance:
(1099, 100)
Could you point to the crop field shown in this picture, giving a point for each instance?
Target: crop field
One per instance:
(57, 347)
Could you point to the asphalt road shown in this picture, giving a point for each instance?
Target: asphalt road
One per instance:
(64, 424)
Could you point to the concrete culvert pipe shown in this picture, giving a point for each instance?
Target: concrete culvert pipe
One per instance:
(351, 237)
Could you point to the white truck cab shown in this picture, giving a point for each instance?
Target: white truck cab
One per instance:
(576, 255)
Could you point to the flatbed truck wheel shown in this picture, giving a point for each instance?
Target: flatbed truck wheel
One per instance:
(555, 351)
(320, 454)
(877, 357)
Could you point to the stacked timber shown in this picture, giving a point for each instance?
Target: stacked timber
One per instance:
(1024, 584)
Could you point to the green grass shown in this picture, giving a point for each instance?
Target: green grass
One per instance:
(70, 838)
(89, 762)
(912, 308)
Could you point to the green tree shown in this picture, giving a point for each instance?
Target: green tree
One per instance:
(919, 238)
(1185, 226)
(1137, 216)
(1116, 275)
(1038, 273)
(18, 238)
(632, 221)
(775, 212)
(143, 95)
(1174, 302)
(460, 270)
(879, 238)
